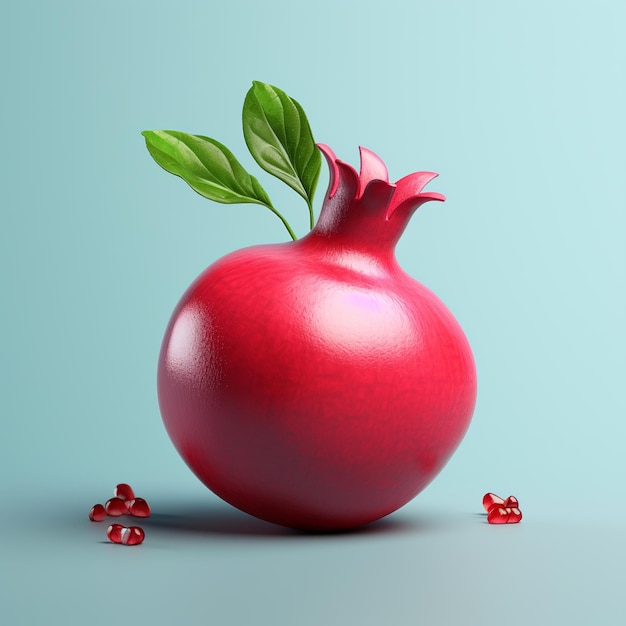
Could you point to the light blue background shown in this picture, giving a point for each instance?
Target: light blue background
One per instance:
(518, 106)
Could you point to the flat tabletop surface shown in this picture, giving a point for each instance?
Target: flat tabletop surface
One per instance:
(204, 562)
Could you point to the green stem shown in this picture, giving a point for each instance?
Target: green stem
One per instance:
(311, 214)
(283, 220)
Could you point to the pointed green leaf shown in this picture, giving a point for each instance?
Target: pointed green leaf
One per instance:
(206, 165)
(279, 138)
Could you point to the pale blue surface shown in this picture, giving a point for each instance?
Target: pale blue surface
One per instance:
(521, 110)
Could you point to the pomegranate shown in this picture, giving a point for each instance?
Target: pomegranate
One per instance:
(314, 383)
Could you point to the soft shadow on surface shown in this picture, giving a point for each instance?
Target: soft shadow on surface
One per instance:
(194, 517)
(225, 520)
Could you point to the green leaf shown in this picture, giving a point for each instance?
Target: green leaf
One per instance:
(279, 138)
(206, 165)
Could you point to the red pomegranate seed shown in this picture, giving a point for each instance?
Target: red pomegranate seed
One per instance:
(511, 503)
(128, 536)
(133, 536)
(490, 500)
(114, 533)
(124, 492)
(97, 513)
(502, 515)
(115, 507)
(138, 507)
(498, 515)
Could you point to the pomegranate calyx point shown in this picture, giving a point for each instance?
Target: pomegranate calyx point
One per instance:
(406, 193)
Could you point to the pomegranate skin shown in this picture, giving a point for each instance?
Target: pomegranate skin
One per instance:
(314, 384)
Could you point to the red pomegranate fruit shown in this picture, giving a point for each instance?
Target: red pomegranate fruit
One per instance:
(314, 383)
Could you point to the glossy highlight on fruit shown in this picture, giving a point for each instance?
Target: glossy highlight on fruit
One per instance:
(314, 383)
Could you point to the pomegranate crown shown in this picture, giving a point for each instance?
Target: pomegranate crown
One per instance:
(373, 180)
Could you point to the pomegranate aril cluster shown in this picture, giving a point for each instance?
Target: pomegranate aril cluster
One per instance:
(123, 502)
(501, 511)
